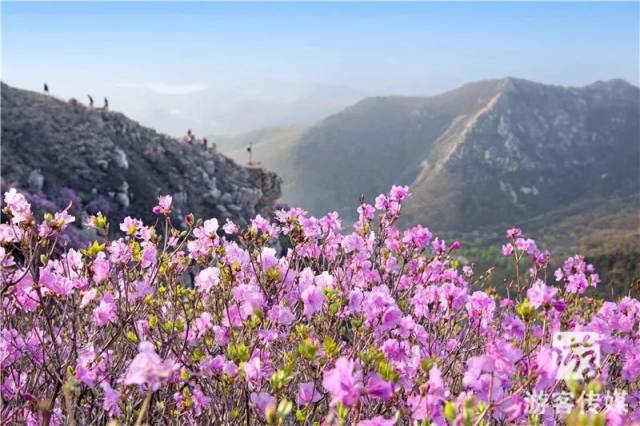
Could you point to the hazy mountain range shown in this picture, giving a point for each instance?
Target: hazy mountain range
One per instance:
(230, 110)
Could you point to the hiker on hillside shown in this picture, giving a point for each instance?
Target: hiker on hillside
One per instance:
(46, 89)
(205, 142)
(90, 101)
(190, 137)
(250, 151)
(106, 104)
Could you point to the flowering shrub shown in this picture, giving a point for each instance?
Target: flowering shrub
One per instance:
(379, 326)
(66, 198)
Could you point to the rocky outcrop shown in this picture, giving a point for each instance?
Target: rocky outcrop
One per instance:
(113, 163)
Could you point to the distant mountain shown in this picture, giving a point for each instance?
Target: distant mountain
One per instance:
(562, 162)
(116, 165)
(489, 153)
(232, 110)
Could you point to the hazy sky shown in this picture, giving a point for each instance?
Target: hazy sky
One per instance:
(374, 48)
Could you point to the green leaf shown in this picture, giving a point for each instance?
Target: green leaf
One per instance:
(330, 346)
(387, 372)
(284, 408)
(450, 411)
(279, 379)
(307, 349)
(526, 311)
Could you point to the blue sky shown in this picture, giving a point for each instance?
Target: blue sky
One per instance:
(309, 50)
(373, 47)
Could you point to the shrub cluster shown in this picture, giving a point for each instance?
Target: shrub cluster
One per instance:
(220, 325)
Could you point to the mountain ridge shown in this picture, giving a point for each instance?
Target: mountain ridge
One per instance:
(114, 163)
(513, 127)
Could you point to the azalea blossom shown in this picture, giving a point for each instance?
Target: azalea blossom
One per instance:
(207, 278)
(290, 318)
(147, 368)
(344, 382)
(164, 205)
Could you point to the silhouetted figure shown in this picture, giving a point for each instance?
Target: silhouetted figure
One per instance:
(205, 142)
(190, 137)
(90, 101)
(250, 151)
(46, 89)
(106, 104)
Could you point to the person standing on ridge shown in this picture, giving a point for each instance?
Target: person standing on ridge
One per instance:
(46, 89)
(90, 101)
(250, 151)
(106, 104)
(205, 142)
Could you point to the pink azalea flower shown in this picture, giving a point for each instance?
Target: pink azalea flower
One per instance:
(514, 233)
(164, 205)
(200, 400)
(429, 404)
(147, 369)
(398, 193)
(262, 401)
(281, 315)
(313, 298)
(210, 227)
(378, 388)
(481, 307)
(111, 402)
(203, 323)
(130, 225)
(391, 318)
(18, 205)
(344, 382)
(105, 312)
(324, 280)
(539, 294)
(142, 290)
(207, 279)
(307, 393)
(253, 369)
(62, 219)
(149, 255)
(100, 267)
(230, 228)
(59, 285)
(88, 297)
(86, 371)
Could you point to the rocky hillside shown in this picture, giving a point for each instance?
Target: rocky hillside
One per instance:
(489, 153)
(108, 162)
(530, 150)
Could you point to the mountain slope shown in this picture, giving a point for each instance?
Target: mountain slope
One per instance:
(115, 164)
(530, 150)
(491, 153)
